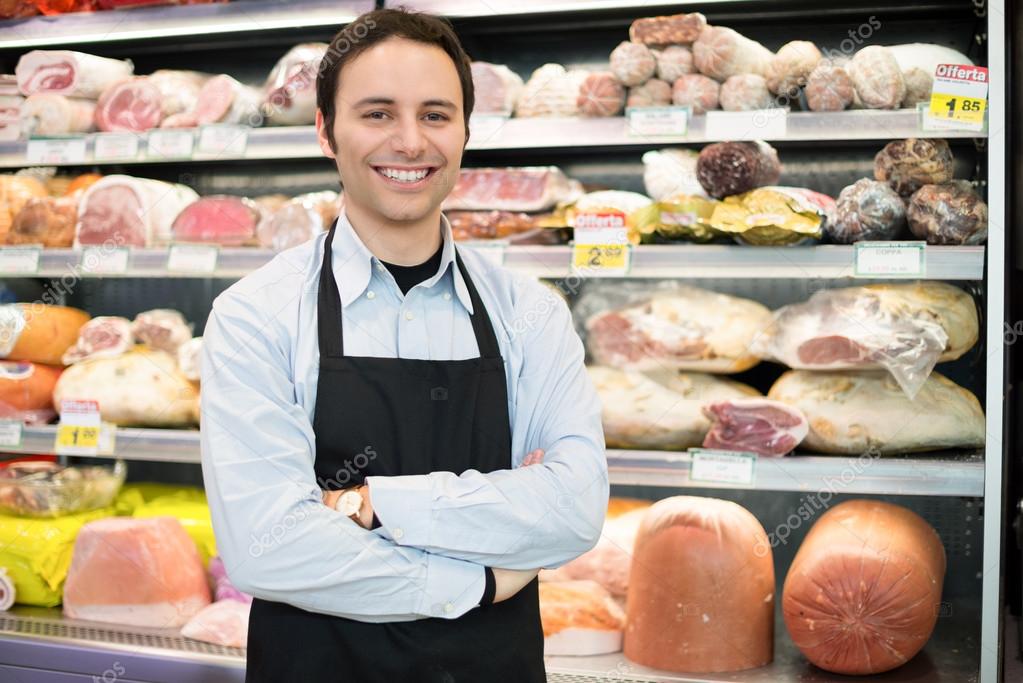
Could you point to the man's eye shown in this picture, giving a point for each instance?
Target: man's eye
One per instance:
(435, 116)
(376, 115)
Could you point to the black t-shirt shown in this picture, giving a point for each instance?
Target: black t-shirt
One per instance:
(408, 277)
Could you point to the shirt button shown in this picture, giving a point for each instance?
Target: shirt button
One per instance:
(448, 607)
(408, 315)
(447, 296)
(370, 294)
(398, 533)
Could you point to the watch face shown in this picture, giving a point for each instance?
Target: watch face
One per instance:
(349, 503)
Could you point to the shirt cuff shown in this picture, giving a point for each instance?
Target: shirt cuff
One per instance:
(453, 587)
(490, 589)
(404, 505)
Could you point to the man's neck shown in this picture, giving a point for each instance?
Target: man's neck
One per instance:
(403, 244)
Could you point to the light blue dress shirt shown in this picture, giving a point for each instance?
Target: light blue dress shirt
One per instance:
(259, 371)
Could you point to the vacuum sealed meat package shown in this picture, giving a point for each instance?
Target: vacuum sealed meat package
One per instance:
(290, 89)
(727, 168)
(907, 165)
(866, 210)
(948, 213)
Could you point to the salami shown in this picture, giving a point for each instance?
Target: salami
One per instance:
(601, 95)
(829, 88)
(674, 61)
(653, 93)
(696, 91)
(791, 66)
(877, 78)
(496, 88)
(745, 92)
(729, 168)
(907, 165)
(633, 63)
(678, 28)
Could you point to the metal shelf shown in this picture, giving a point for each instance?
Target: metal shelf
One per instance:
(482, 8)
(41, 640)
(247, 16)
(648, 261)
(936, 474)
(299, 142)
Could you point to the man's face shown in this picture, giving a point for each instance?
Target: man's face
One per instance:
(400, 129)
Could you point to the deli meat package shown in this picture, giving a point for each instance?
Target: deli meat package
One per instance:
(903, 328)
(850, 413)
(861, 595)
(579, 618)
(137, 572)
(530, 188)
(755, 425)
(64, 72)
(105, 336)
(659, 409)
(38, 333)
(290, 89)
(671, 327)
(124, 211)
(26, 391)
(702, 576)
(225, 622)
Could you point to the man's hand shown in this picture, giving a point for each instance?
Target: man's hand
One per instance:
(508, 582)
(533, 458)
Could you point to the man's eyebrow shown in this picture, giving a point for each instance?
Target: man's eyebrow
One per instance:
(371, 101)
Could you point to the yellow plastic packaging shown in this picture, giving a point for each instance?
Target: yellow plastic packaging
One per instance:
(687, 217)
(773, 216)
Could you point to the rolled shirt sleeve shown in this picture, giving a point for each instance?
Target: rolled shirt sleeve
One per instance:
(542, 515)
(278, 541)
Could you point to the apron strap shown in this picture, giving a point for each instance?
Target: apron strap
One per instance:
(486, 340)
(328, 301)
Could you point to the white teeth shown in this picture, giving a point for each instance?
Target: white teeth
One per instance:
(404, 176)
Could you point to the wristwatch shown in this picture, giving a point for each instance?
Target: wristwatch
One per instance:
(349, 504)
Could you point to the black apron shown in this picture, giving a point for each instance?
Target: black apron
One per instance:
(417, 416)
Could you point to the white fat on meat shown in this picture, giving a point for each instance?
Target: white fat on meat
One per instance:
(65, 72)
(162, 328)
(106, 336)
(290, 89)
(123, 211)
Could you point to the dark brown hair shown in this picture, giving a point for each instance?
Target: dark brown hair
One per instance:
(379, 25)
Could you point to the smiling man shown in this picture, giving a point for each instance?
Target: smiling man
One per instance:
(396, 434)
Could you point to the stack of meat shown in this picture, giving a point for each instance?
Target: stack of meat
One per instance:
(19, 9)
(10, 108)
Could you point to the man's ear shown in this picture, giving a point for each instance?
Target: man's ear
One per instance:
(322, 136)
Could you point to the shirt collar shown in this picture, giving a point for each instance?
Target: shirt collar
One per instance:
(353, 263)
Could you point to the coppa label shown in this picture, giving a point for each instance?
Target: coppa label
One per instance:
(958, 97)
(891, 259)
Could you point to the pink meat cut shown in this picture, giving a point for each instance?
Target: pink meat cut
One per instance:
(222, 99)
(65, 72)
(123, 211)
(509, 189)
(225, 622)
(755, 425)
(164, 329)
(219, 219)
(132, 105)
(107, 336)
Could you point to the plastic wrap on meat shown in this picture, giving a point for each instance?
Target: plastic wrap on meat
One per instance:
(64, 72)
(669, 172)
(877, 78)
(904, 328)
(222, 99)
(179, 90)
(949, 213)
(49, 221)
(678, 28)
(633, 63)
(829, 88)
(918, 86)
(496, 88)
(791, 66)
(601, 95)
(773, 216)
(26, 391)
(926, 56)
(684, 328)
(862, 594)
(123, 211)
(45, 114)
(132, 105)
(163, 329)
(907, 165)
(219, 219)
(745, 92)
(720, 52)
(674, 61)
(106, 336)
(696, 91)
(15, 191)
(755, 425)
(653, 93)
(485, 225)
(728, 168)
(298, 220)
(225, 623)
(529, 188)
(290, 89)
(866, 210)
(550, 91)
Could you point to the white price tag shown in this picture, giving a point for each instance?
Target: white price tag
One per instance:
(192, 258)
(891, 259)
(723, 467)
(656, 121)
(55, 151)
(759, 124)
(492, 251)
(10, 434)
(105, 260)
(78, 432)
(19, 260)
(115, 146)
(223, 140)
(486, 127)
(169, 144)
(958, 98)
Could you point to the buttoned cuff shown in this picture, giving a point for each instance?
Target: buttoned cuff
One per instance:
(404, 506)
(453, 587)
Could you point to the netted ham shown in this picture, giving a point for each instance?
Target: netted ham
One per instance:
(948, 213)
(791, 66)
(745, 92)
(829, 88)
(579, 618)
(528, 188)
(632, 63)
(903, 328)
(696, 91)
(730, 168)
(162, 328)
(653, 93)
(64, 72)
(130, 105)
(673, 62)
(106, 336)
(135, 572)
(49, 221)
(601, 95)
(496, 88)
(677, 28)
(45, 114)
(550, 91)
(862, 594)
(866, 210)
(702, 575)
(290, 89)
(684, 328)
(225, 623)
(907, 165)
(877, 77)
(219, 219)
(124, 211)
(755, 425)
(720, 52)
